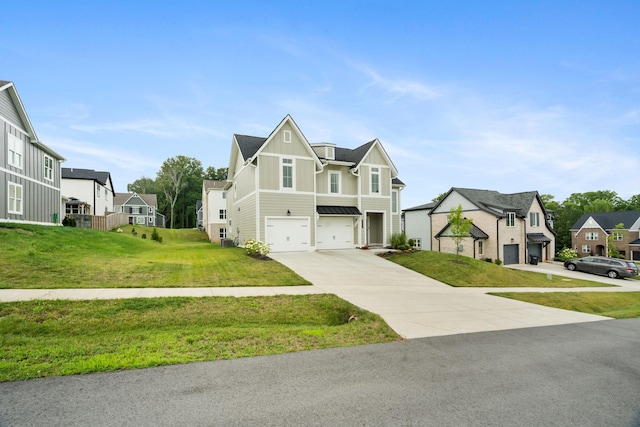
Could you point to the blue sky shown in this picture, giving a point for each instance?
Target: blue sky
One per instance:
(502, 95)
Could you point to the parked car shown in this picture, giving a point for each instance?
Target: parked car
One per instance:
(612, 267)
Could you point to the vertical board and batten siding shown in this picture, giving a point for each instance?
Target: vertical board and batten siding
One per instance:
(8, 109)
(41, 198)
(297, 147)
(270, 174)
(348, 182)
(244, 183)
(326, 200)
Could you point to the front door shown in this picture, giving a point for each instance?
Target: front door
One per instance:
(375, 229)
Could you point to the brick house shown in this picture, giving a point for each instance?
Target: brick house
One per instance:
(590, 234)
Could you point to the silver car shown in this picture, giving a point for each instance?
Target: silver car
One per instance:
(612, 267)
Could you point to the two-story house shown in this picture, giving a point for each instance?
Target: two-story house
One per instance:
(214, 209)
(509, 227)
(417, 225)
(87, 191)
(296, 196)
(141, 208)
(29, 170)
(594, 232)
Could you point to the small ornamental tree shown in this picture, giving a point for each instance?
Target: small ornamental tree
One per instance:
(459, 226)
(612, 251)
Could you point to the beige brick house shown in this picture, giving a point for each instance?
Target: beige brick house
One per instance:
(590, 234)
(509, 227)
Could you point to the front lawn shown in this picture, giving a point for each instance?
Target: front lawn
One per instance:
(64, 257)
(619, 305)
(468, 272)
(52, 338)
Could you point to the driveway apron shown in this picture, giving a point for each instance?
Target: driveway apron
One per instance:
(416, 306)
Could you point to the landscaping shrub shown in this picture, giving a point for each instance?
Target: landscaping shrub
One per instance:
(68, 222)
(256, 248)
(144, 236)
(498, 261)
(399, 241)
(565, 254)
(155, 236)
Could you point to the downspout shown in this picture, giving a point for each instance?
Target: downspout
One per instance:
(498, 238)
(355, 173)
(526, 244)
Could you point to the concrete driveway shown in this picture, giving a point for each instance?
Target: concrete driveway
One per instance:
(416, 306)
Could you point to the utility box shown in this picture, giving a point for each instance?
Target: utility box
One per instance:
(226, 243)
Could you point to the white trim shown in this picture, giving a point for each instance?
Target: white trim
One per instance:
(286, 136)
(21, 199)
(10, 172)
(24, 221)
(18, 148)
(48, 158)
(339, 174)
(371, 174)
(14, 125)
(292, 165)
(288, 189)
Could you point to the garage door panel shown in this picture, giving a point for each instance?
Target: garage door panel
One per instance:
(335, 233)
(287, 234)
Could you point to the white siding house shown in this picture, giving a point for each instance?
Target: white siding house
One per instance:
(214, 209)
(87, 191)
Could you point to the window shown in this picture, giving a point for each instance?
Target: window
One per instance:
(224, 194)
(150, 220)
(48, 168)
(511, 219)
(617, 236)
(16, 151)
(591, 235)
(394, 201)
(136, 210)
(97, 189)
(586, 249)
(480, 247)
(375, 180)
(534, 219)
(334, 182)
(222, 232)
(150, 209)
(140, 220)
(223, 214)
(286, 135)
(287, 173)
(417, 243)
(15, 198)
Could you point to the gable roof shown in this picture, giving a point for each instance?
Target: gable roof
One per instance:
(120, 199)
(425, 207)
(474, 232)
(22, 112)
(88, 174)
(497, 203)
(208, 184)
(608, 220)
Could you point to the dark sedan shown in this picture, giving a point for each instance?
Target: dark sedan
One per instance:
(612, 267)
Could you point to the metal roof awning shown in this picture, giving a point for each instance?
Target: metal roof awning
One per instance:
(338, 210)
(537, 238)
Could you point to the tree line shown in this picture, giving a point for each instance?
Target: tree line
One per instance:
(178, 186)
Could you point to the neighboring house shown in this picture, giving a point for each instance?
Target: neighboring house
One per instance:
(141, 208)
(589, 235)
(214, 209)
(509, 227)
(29, 170)
(87, 191)
(417, 225)
(296, 196)
(199, 221)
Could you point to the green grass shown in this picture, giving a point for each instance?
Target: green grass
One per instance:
(52, 338)
(619, 305)
(64, 257)
(468, 272)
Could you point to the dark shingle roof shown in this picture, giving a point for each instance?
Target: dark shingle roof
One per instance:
(353, 156)
(474, 232)
(120, 199)
(338, 210)
(396, 181)
(498, 203)
(609, 220)
(426, 206)
(74, 173)
(249, 145)
(538, 238)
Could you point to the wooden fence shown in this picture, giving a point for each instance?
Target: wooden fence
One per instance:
(103, 223)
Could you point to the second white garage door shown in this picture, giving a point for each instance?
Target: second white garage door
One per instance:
(335, 233)
(287, 234)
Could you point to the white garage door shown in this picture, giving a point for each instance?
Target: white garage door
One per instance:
(335, 233)
(287, 234)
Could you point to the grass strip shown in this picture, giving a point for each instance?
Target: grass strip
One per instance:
(463, 271)
(52, 338)
(619, 305)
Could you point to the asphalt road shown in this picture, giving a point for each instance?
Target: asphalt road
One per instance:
(585, 374)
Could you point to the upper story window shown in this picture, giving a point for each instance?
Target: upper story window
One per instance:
(15, 198)
(286, 136)
(150, 209)
(224, 194)
(394, 201)
(511, 219)
(48, 168)
(375, 180)
(97, 189)
(591, 235)
(287, 173)
(16, 151)
(534, 219)
(223, 214)
(618, 236)
(334, 182)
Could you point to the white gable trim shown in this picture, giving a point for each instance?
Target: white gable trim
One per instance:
(591, 223)
(376, 142)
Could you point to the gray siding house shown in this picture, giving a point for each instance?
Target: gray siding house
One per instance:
(141, 208)
(29, 170)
